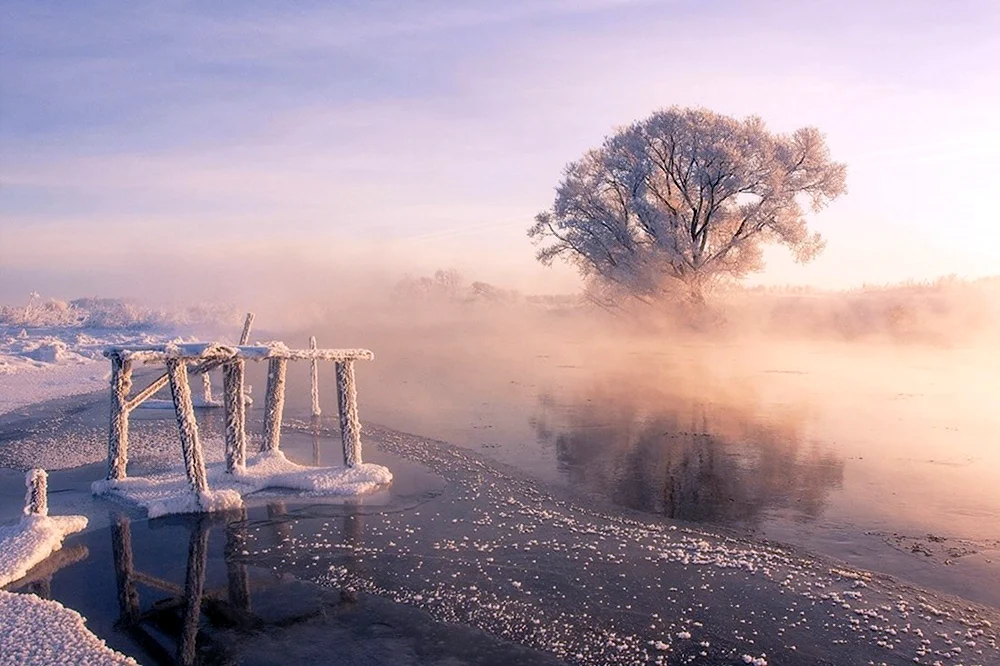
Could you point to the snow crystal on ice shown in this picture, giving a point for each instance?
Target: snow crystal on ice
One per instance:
(31, 540)
(170, 492)
(38, 631)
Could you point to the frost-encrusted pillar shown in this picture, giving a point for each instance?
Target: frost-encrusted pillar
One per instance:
(247, 323)
(274, 403)
(194, 586)
(187, 426)
(314, 421)
(347, 401)
(314, 377)
(36, 501)
(233, 373)
(121, 550)
(206, 387)
(121, 383)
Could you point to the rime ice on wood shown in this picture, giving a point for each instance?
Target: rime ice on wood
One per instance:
(350, 426)
(121, 382)
(187, 426)
(272, 469)
(314, 378)
(247, 323)
(274, 403)
(36, 501)
(235, 407)
(206, 386)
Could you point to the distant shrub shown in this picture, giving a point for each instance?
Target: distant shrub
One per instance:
(114, 314)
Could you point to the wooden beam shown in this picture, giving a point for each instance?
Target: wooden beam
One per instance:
(350, 425)
(314, 379)
(235, 411)
(187, 427)
(121, 382)
(274, 403)
(161, 381)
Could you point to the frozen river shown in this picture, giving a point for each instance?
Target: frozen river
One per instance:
(625, 507)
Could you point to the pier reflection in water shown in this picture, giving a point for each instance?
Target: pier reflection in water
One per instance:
(183, 624)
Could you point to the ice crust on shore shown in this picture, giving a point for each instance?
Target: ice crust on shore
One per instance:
(42, 632)
(169, 492)
(31, 540)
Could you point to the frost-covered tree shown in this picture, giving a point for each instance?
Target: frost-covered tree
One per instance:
(685, 197)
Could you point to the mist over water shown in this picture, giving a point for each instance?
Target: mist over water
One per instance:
(876, 447)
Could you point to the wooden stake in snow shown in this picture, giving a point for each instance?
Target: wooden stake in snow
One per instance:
(187, 426)
(274, 403)
(347, 401)
(314, 376)
(235, 408)
(121, 382)
(36, 500)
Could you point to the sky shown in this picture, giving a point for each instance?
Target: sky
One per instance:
(215, 141)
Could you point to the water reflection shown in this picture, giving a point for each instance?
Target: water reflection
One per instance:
(38, 580)
(188, 624)
(698, 458)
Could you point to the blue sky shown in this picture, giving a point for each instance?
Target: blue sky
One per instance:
(405, 136)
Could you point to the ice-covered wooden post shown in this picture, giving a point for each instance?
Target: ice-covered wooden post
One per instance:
(36, 500)
(235, 407)
(121, 383)
(187, 426)
(274, 403)
(206, 387)
(247, 323)
(314, 377)
(347, 401)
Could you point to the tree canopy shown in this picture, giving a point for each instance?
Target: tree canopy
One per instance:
(685, 197)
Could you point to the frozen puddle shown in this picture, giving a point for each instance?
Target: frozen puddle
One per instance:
(170, 492)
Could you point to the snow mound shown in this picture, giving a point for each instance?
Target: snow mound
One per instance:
(56, 362)
(38, 631)
(33, 539)
(170, 492)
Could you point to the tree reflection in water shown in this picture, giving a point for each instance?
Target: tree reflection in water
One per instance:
(716, 460)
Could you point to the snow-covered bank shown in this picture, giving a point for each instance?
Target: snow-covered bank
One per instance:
(170, 492)
(38, 631)
(31, 540)
(37, 365)
(52, 349)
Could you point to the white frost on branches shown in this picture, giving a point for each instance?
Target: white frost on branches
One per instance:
(685, 196)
